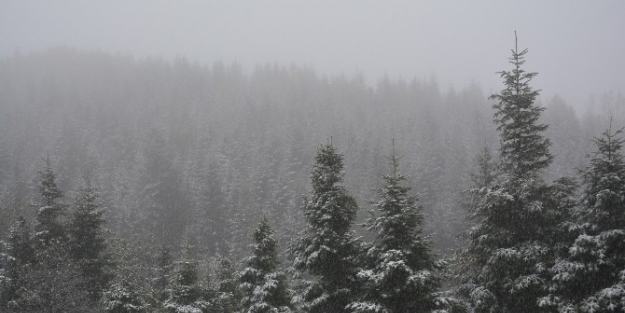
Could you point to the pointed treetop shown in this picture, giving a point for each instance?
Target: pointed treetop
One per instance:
(48, 189)
(524, 150)
(394, 160)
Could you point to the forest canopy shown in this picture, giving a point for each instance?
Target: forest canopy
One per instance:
(174, 164)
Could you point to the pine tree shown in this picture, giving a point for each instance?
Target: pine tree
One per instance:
(49, 229)
(400, 275)
(592, 276)
(327, 249)
(87, 242)
(264, 288)
(519, 219)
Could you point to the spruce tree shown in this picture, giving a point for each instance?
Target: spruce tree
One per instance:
(124, 297)
(264, 288)
(49, 229)
(20, 258)
(228, 296)
(519, 219)
(163, 273)
(186, 294)
(400, 274)
(591, 278)
(524, 150)
(327, 249)
(4, 279)
(464, 268)
(55, 285)
(485, 173)
(87, 242)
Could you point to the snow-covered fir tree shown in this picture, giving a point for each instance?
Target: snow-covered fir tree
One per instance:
(227, 296)
(400, 271)
(592, 276)
(327, 249)
(49, 229)
(263, 287)
(164, 269)
(123, 297)
(212, 220)
(4, 280)
(464, 268)
(55, 285)
(87, 242)
(20, 256)
(518, 231)
(186, 294)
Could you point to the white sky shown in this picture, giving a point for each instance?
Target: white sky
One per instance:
(577, 46)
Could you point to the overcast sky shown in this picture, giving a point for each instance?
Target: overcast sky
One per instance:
(578, 47)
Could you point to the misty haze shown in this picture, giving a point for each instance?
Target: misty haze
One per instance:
(320, 156)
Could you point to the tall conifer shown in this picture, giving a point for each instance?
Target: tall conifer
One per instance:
(327, 249)
(591, 278)
(519, 219)
(49, 228)
(87, 242)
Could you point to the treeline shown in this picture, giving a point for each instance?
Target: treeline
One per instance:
(178, 147)
(187, 159)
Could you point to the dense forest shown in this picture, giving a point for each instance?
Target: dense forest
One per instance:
(148, 185)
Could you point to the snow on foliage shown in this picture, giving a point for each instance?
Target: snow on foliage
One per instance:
(263, 286)
(398, 273)
(590, 277)
(327, 248)
(519, 219)
(122, 297)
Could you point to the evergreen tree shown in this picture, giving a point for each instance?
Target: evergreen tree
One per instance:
(186, 294)
(49, 229)
(209, 291)
(4, 279)
(524, 150)
(228, 296)
(20, 257)
(592, 277)
(87, 242)
(214, 224)
(400, 275)
(55, 285)
(484, 176)
(327, 249)
(264, 288)
(163, 273)
(485, 173)
(162, 194)
(123, 297)
(518, 231)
